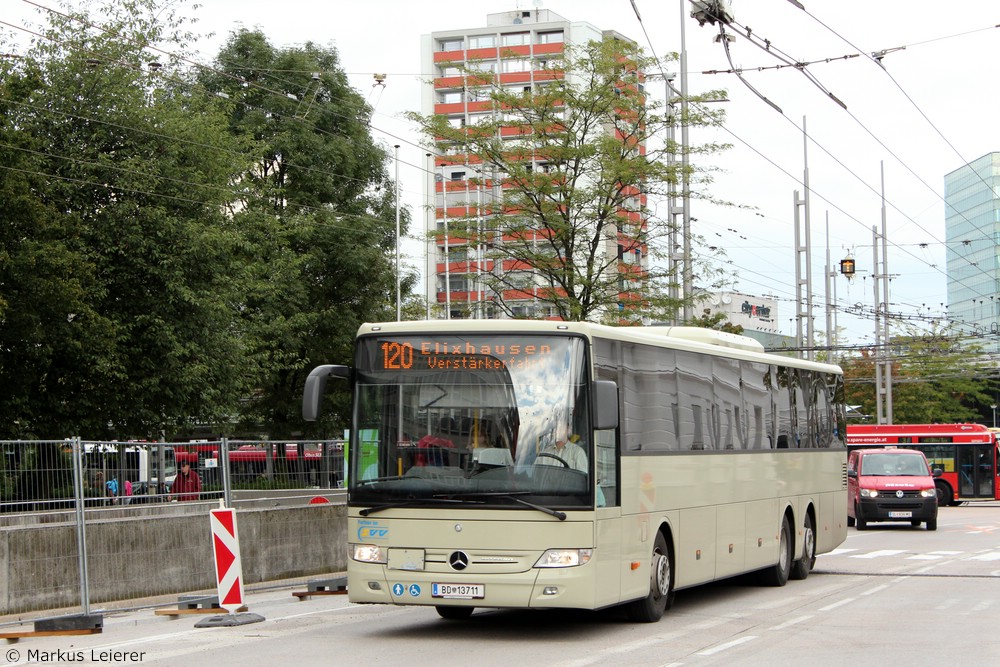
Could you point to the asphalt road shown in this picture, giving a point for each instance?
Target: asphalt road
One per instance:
(890, 595)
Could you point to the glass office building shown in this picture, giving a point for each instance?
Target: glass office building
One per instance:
(972, 225)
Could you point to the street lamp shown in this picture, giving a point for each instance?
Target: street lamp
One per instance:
(994, 408)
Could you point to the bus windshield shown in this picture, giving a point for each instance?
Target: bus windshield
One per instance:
(483, 419)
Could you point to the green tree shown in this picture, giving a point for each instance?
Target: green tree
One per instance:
(718, 321)
(936, 377)
(118, 265)
(320, 212)
(573, 154)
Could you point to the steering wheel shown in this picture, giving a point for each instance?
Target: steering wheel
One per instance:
(553, 456)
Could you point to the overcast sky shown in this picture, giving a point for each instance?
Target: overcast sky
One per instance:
(929, 108)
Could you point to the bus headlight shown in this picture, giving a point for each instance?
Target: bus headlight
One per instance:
(564, 557)
(869, 493)
(368, 553)
(928, 493)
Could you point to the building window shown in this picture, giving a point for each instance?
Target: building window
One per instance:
(482, 67)
(549, 37)
(514, 39)
(454, 44)
(482, 41)
(450, 70)
(451, 97)
(516, 65)
(479, 95)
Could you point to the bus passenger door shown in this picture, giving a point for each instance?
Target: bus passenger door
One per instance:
(975, 471)
(608, 528)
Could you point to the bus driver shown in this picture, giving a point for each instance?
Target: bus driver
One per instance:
(564, 450)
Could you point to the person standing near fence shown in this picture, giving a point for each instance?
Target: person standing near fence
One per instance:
(187, 484)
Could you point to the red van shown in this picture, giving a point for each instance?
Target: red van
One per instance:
(890, 484)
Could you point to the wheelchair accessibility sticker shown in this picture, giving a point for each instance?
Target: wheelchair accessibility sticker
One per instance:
(399, 589)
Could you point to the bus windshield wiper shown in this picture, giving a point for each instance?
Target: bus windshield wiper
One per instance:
(510, 496)
(406, 503)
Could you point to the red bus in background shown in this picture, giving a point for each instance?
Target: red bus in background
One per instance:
(966, 454)
(250, 463)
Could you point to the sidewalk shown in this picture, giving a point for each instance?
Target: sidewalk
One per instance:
(143, 632)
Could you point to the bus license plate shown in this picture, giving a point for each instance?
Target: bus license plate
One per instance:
(459, 591)
(900, 515)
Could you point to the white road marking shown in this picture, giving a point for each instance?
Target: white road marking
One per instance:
(840, 603)
(794, 621)
(727, 645)
(881, 553)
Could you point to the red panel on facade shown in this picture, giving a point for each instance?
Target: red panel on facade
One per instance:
(554, 47)
(482, 54)
(447, 109)
(449, 56)
(448, 82)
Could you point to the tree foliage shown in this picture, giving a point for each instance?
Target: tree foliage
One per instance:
(179, 248)
(574, 156)
(935, 378)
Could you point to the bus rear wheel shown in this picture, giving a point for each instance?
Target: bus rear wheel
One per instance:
(454, 613)
(802, 567)
(777, 574)
(661, 586)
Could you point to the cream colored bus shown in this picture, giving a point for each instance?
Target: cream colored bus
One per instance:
(532, 464)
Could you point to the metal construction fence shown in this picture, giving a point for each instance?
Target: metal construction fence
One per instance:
(96, 521)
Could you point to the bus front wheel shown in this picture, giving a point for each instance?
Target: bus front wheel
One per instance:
(454, 613)
(944, 494)
(661, 586)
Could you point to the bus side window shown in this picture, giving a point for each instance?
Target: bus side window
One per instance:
(606, 469)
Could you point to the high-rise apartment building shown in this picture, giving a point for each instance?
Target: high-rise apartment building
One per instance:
(516, 49)
(972, 237)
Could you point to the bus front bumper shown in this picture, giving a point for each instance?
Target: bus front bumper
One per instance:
(537, 588)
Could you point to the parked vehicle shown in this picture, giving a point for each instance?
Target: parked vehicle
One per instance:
(890, 484)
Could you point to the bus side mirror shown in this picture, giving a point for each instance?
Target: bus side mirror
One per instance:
(605, 398)
(852, 473)
(312, 396)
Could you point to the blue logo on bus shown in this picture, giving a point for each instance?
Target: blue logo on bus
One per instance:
(397, 589)
(371, 530)
(414, 590)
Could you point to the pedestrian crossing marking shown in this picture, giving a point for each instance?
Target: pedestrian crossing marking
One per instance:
(880, 553)
(934, 555)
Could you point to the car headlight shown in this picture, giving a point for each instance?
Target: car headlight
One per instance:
(368, 553)
(869, 493)
(564, 557)
(928, 493)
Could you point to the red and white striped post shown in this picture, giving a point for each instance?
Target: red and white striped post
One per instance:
(228, 568)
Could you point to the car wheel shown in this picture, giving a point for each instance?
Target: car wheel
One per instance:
(932, 524)
(862, 524)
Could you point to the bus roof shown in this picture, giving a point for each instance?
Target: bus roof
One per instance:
(694, 339)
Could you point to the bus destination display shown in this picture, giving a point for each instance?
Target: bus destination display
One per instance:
(425, 354)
